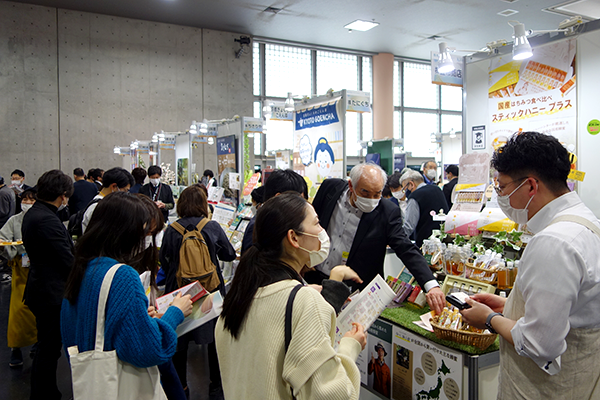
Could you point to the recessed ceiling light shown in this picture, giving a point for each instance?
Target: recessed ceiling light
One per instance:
(508, 12)
(360, 25)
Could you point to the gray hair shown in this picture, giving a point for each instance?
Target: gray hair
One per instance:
(411, 175)
(357, 171)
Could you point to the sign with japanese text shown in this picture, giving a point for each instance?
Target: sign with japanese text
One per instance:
(358, 101)
(452, 78)
(424, 370)
(538, 94)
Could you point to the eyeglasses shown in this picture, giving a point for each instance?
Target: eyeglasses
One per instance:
(499, 190)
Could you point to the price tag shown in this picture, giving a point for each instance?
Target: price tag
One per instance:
(576, 175)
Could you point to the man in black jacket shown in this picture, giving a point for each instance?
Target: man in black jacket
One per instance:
(422, 201)
(161, 194)
(361, 226)
(50, 251)
(452, 175)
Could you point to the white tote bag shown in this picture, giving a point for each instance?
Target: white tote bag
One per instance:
(99, 374)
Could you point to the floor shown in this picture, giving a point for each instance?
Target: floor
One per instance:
(14, 384)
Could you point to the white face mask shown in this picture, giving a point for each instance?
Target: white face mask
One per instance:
(253, 208)
(431, 173)
(15, 183)
(155, 182)
(520, 216)
(318, 256)
(26, 207)
(399, 194)
(148, 242)
(366, 205)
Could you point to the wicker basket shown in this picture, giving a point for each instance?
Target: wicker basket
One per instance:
(489, 276)
(479, 340)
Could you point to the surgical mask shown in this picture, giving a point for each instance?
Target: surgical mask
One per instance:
(155, 182)
(318, 256)
(253, 208)
(62, 207)
(26, 207)
(366, 205)
(398, 195)
(147, 242)
(431, 173)
(15, 183)
(517, 215)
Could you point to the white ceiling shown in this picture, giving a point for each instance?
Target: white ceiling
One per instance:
(405, 25)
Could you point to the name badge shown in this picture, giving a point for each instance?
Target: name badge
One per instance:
(24, 260)
(345, 257)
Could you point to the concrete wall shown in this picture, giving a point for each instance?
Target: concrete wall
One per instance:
(76, 84)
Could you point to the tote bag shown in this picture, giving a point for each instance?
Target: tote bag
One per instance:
(99, 374)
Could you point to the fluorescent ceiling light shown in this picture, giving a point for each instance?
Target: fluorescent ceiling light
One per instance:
(360, 25)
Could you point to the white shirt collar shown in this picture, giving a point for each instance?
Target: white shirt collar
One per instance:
(547, 213)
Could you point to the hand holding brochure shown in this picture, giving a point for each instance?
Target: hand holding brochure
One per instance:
(364, 308)
(195, 290)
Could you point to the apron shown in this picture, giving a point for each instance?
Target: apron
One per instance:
(21, 330)
(578, 379)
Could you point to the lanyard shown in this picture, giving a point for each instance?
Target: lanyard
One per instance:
(156, 192)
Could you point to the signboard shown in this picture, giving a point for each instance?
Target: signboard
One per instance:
(167, 144)
(226, 155)
(478, 137)
(358, 101)
(278, 113)
(424, 370)
(375, 361)
(453, 78)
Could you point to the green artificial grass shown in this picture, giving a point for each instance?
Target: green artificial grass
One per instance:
(405, 315)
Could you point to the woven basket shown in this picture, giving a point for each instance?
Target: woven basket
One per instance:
(479, 340)
(489, 276)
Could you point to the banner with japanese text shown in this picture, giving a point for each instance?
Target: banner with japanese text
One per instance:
(537, 94)
(319, 143)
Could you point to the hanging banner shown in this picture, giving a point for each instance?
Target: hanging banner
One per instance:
(452, 78)
(226, 155)
(358, 101)
(319, 143)
(278, 113)
(167, 144)
(537, 94)
(253, 125)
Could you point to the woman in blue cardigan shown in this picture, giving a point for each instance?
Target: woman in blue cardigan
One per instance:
(117, 234)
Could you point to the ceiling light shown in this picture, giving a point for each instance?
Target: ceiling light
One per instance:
(117, 150)
(289, 103)
(211, 140)
(521, 46)
(360, 25)
(446, 65)
(452, 134)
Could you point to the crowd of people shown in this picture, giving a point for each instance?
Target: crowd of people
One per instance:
(299, 263)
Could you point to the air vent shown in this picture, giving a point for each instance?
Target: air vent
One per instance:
(273, 10)
(508, 12)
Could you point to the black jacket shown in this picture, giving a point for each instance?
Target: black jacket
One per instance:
(429, 198)
(83, 193)
(448, 187)
(216, 240)
(376, 230)
(165, 194)
(50, 251)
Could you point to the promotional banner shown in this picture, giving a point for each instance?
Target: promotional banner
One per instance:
(452, 78)
(537, 94)
(319, 143)
(226, 155)
(358, 101)
(278, 112)
(282, 159)
(424, 370)
(375, 361)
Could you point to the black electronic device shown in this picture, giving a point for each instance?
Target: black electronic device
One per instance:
(458, 300)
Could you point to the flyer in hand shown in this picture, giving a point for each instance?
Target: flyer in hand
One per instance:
(364, 308)
(195, 290)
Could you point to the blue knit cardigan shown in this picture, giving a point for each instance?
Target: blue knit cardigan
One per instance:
(139, 339)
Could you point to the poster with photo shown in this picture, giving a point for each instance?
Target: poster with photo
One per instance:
(375, 361)
(424, 370)
(319, 143)
(537, 94)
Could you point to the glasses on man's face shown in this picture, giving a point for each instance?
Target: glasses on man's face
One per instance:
(500, 189)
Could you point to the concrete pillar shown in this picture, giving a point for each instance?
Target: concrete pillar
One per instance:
(383, 96)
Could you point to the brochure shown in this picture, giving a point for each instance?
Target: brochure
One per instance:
(195, 290)
(204, 310)
(364, 308)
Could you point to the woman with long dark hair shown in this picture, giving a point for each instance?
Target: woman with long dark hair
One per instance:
(250, 332)
(117, 234)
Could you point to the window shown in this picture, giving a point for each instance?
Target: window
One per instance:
(422, 108)
(304, 72)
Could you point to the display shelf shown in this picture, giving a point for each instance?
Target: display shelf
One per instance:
(407, 313)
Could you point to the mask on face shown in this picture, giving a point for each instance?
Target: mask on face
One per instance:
(148, 242)
(517, 215)
(26, 207)
(430, 174)
(253, 208)
(398, 195)
(155, 182)
(15, 183)
(62, 207)
(318, 256)
(366, 205)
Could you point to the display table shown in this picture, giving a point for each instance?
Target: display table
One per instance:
(421, 366)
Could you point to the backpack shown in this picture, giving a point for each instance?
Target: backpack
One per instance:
(195, 263)
(75, 226)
